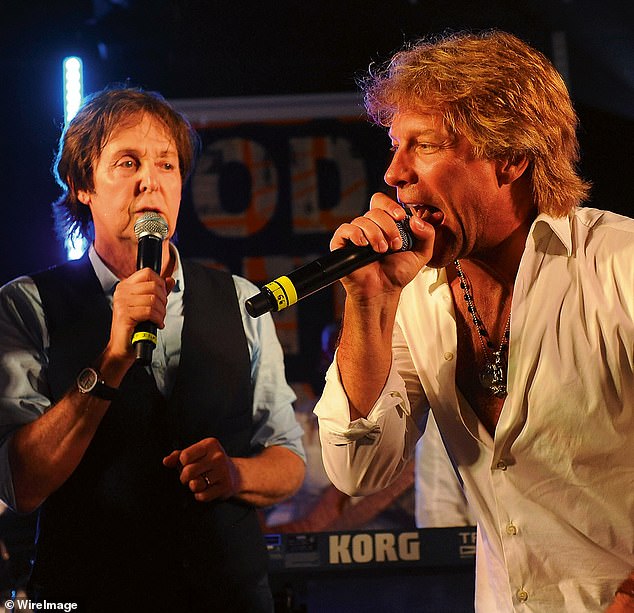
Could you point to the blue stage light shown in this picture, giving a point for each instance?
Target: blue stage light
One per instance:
(73, 86)
(76, 246)
(73, 95)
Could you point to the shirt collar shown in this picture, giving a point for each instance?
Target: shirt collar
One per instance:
(543, 227)
(109, 280)
(434, 278)
(546, 226)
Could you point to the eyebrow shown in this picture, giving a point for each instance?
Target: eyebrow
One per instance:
(166, 153)
(417, 134)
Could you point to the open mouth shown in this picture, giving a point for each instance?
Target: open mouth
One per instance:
(428, 213)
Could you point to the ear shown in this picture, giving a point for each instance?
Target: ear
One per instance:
(83, 196)
(510, 170)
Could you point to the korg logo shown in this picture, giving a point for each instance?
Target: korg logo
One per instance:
(379, 547)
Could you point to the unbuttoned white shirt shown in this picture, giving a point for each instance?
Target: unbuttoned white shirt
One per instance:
(553, 490)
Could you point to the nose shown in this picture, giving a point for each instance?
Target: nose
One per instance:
(149, 180)
(399, 173)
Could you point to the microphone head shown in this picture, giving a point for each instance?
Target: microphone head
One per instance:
(406, 234)
(151, 224)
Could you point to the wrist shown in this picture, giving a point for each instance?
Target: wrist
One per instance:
(91, 382)
(372, 296)
(113, 367)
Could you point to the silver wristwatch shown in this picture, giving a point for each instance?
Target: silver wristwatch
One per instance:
(90, 381)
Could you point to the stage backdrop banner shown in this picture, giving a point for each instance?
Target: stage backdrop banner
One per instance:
(275, 178)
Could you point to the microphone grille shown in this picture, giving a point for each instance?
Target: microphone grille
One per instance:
(406, 234)
(151, 223)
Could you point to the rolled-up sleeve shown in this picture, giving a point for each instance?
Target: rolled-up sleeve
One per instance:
(23, 355)
(366, 455)
(273, 414)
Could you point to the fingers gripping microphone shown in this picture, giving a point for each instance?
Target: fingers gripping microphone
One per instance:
(306, 280)
(151, 230)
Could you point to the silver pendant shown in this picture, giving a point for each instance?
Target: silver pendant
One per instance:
(493, 377)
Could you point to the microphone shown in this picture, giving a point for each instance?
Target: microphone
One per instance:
(151, 230)
(310, 278)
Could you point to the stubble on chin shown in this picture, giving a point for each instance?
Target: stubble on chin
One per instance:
(445, 250)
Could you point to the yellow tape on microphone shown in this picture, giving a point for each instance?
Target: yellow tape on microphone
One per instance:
(144, 336)
(283, 291)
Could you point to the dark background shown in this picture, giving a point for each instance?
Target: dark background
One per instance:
(190, 49)
(195, 49)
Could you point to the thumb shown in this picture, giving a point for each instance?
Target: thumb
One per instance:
(421, 229)
(172, 460)
(170, 283)
(424, 233)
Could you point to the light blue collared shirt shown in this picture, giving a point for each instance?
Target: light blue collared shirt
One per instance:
(166, 355)
(24, 345)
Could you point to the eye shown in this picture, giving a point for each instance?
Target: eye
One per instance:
(127, 163)
(167, 163)
(425, 147)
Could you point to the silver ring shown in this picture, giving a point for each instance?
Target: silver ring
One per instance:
(205, 478)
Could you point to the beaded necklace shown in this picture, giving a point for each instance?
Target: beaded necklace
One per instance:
(493, 374)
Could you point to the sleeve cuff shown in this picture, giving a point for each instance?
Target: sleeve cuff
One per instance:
(333, 409)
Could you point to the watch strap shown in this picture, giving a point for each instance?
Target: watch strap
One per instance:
(104, 391)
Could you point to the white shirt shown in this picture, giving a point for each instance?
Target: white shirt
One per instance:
(439, 498)
(553, 491)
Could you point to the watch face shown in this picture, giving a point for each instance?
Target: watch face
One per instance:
(87, 379)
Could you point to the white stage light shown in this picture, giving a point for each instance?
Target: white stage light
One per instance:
(73, 86)
(73, 76)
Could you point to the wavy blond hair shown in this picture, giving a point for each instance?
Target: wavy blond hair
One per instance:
(505, 97)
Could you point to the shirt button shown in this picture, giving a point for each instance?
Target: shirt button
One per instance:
(501, 465)
(511, 529)
(448, 356)
(522, 595)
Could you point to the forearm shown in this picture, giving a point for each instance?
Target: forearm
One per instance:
(270, 477)
(364, 455)
(364, 355)
(44, 453)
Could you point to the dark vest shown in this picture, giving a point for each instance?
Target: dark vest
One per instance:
(123, 529)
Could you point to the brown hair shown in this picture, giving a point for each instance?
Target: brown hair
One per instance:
(505, 97)
(85, 136)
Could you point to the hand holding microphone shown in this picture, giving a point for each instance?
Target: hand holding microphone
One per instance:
(310, 278)
(151, 230)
